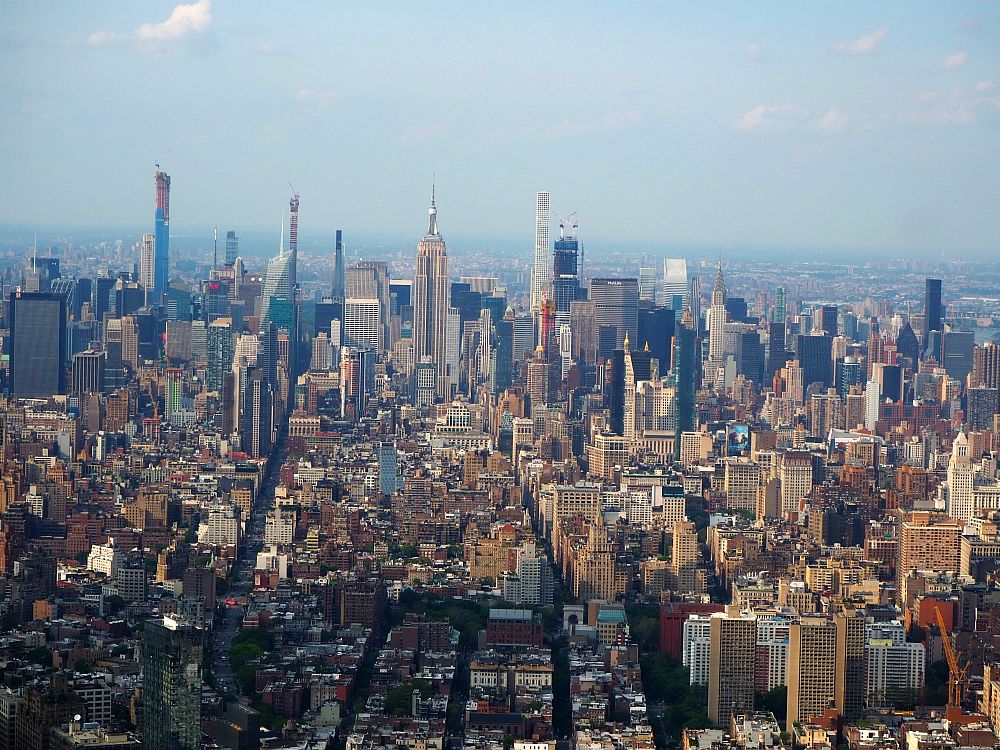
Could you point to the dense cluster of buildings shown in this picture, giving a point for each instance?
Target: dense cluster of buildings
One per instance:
(247, 509)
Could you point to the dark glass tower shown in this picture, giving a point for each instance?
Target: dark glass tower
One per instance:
(171, 684)
(816, 359)
(932, 308)
(684, 376)
(616, 303)
(161, 250)
(338, 291)
(39, 351)
(232, 248)
(565, 275)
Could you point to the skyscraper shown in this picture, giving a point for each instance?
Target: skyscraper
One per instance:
(684, 361)
(932, 309)
(616, 304)
(161, 262)
(780, 305)
(731, 676)
(717, 317)
(540, 269)
(293, 237)
(337, 290)
(232, 248)
(431, 296)
(565, 273)
(279, 283)
(257, 421)
(675, 283)
(147, 265)
(38, 351)
(171, 684)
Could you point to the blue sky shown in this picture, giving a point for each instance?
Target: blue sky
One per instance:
(800, 125)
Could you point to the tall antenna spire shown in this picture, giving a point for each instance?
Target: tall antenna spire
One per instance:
(432, 224)
(215, 250)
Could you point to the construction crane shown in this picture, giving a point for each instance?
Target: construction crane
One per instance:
(956, 671)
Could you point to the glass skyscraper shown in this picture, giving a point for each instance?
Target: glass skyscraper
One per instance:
(161, 249)
(171, 684)
(38, 354)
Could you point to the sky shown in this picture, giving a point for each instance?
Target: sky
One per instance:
(819, 125)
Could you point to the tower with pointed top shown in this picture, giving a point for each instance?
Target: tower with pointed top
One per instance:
(431, 293)
(293, 237)
(717, 318)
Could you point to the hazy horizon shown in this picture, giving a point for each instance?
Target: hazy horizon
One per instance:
(824, 127)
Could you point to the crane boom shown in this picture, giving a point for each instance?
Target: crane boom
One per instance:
(956, 670)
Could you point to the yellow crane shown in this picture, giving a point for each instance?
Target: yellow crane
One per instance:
(956, 671)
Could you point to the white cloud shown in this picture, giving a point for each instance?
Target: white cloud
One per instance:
(984, 85)
(617, 119)
(267, 48)
(754, 50)
(863, 45)
(185, 19)
(956, 61)
(763, 116)
(104, 38)
(834, 120)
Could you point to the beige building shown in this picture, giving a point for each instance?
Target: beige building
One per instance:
(732, 666)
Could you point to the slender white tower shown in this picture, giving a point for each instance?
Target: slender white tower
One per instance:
(540, 272)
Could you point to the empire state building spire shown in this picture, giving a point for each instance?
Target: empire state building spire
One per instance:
(432, 218)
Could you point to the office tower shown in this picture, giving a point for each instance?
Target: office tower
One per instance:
(219, 343)
(430, 303)
(279, 284)
(293, 237)
(656, 329)
(893, 667)
(850, 372)
(369, 279)
(849, 692)
(616, 392)
(161, 242)
(173, 393)
(780, 306)
(932, 311)
(129, 297)
(815, 355)
(984, 404)
(257, 415)
(540, 268)
(38, 348)
(873, 400)
(565, 273)
(171, 684)
(927, 541)
(684, 374)
(828, 320)
(986, 365)
(961, 479)
(812, 668)
(890, 381)
(104, 296)
(732, 666)
(796, 476)
(387, 468)
(88, 372)
(717, 317)
(147, 266)
(616, 305)
(337, 290)
(524, 337)
(584, 335)
(232, 248)
(362, 324)
(675, 284)
(647, 284)
(957, 354)
(907, 346)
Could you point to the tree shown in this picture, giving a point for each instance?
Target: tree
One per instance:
(81, 666)
(114, 604)
(399, 701)
(40, 655)
(774, 700)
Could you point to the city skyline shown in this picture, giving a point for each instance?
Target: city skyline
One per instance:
(695, 129)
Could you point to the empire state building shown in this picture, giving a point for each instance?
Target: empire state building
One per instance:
(431, 301)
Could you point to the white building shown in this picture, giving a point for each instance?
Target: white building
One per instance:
(222, 526)
(892, 666)
(362, 327)
(540, 271)
(105, 559)
(697, 647)
(279, 526)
